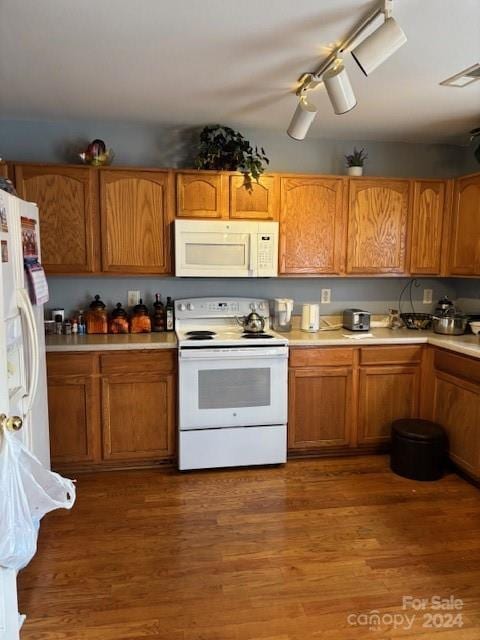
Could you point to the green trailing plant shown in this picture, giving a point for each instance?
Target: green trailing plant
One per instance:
(223, 149)
(356, 158)
(475, 133)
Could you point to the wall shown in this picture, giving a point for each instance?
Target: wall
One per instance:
(468, 295)
(152, 145)
(372, 294)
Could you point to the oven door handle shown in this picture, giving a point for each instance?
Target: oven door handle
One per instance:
(231, 354)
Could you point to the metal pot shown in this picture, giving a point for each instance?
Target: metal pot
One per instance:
(454, 325)
(253, 323)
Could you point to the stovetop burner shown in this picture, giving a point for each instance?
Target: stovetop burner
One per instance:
(200, 333)
(253, 336)
(201, 337)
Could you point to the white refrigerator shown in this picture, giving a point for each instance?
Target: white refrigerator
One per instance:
(23, 386)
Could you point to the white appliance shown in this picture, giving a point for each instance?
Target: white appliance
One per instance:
(23, 390)
(232, 386)
(310, 317)
(282, 314)
(226, 249)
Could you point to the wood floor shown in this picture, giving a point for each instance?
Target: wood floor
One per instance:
(287, 553)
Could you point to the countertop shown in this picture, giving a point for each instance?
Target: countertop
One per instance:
(468, 344)
(126, 342)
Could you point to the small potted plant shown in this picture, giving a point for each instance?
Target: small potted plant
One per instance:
(355, 162)
(223, 149)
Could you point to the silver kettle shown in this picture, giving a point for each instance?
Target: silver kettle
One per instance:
(253, 323)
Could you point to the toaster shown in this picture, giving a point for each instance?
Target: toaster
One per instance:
(356, 320)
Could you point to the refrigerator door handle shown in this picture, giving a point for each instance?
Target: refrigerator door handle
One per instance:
(25, 306)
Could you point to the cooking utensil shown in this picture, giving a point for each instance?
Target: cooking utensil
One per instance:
(453, 325)
(253, 323)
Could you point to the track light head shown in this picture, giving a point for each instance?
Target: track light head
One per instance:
(339, 88)
(379, 46)
(302, 119)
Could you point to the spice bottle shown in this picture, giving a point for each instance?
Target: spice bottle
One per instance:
(119, 320)
(140, 322)
(97, 321)
(158, 323)
(169, 315)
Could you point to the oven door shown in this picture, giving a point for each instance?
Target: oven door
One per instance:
(214, 253)
(232, 387)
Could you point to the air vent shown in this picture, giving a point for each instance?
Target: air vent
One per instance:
(464, 78)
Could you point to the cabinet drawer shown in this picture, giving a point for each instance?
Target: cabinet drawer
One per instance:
(456, 365)
(138, 361)
(391, 355)
(71, 364)
(313, 356)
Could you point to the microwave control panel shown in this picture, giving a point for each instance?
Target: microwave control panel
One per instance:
(266, 254)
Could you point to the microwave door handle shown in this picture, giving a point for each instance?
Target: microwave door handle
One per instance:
(253, 250)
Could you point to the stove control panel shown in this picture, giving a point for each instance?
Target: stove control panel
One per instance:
(219, 307)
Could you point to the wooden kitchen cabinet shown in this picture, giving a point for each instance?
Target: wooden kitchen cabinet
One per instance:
(201, 195)
(68, 210)
(465, 231)
(135, 210)
(260, 201)
(138, 405)
(111, 408)
(386, 393)
(429, 226)
(321, 406)
(378, 213)
(312, 225)
(73, 408)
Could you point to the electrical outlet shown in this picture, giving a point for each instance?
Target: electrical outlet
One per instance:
(133, 298)
(427, 296)
(326, 296)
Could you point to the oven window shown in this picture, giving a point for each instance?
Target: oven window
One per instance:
(212, 255)
(233, 388)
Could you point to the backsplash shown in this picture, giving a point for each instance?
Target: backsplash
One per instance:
(373, 294)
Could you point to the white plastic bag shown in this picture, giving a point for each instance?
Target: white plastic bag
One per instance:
(27, 492)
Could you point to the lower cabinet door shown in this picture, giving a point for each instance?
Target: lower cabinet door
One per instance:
(457, 408)
(320, 408)
(138, 416)
(386, 394)
(73, 410)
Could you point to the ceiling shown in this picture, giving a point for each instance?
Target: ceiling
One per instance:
(192, 62)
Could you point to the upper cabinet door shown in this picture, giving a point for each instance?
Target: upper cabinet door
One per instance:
(257, 200)
(427, 226)
(312, 225)
(377, 225)
(202, 195)
(67, 203)
(465, 238)
(134, 208)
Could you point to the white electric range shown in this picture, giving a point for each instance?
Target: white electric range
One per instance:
(232, 385)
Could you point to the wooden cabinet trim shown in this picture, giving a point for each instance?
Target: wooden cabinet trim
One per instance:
(401, 354)
(320, 356)
(138, 362)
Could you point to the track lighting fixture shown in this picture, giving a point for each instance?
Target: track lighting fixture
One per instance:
(379, 46)
(302, 119)
(339, 89)
(369, 54)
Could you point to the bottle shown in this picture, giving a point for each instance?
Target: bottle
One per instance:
(74, 326)
(140, 322)
(67, 327)
(169, 315)
(58, 324)
(82, 329)
(119, 320)
(97, 321)
(158, 323)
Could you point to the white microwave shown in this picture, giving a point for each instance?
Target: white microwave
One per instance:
(226, 249)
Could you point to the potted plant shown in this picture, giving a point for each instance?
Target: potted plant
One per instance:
(355, 162)
(475, 133)
(223, 149)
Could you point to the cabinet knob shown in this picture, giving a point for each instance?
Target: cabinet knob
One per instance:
(14, 423)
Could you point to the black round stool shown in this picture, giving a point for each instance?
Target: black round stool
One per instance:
(418, 449)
